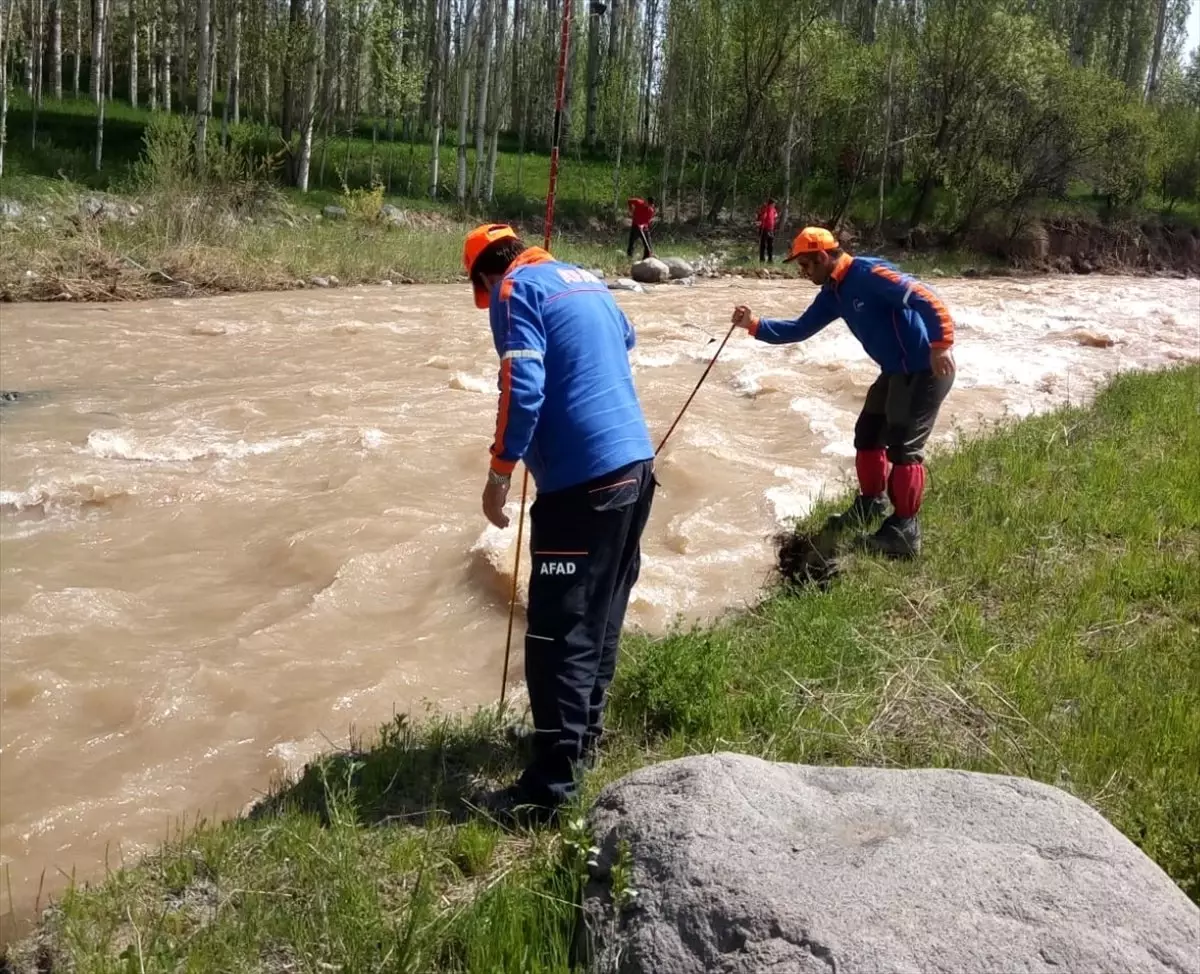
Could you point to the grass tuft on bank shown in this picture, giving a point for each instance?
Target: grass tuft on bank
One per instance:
(1049, 631)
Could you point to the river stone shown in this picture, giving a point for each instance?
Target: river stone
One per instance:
(679, 268)
(650, 271)
(741, 866)
(626, 284)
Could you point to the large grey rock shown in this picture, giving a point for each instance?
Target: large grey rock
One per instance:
(334, 213)
(742, 866)
(393, 215)
(10, 209)
(679, 268)
(650, 271)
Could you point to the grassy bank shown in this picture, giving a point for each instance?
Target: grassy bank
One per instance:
(1050, 631)
(238, 230)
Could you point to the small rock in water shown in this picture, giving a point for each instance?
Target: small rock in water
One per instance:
(319, 282)
(334, 213)
(679, 268)
(385, 283)
(626, 284)
(938, 272)
(333, 281)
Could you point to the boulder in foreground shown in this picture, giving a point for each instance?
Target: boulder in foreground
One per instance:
(740, 865)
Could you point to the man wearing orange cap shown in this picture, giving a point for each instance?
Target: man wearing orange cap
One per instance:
(904, 326)
(569, 410)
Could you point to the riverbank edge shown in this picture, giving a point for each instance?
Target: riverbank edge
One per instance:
(1068, 580)
(60, 244)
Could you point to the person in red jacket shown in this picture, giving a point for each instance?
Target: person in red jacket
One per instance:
(904, 326)
(768, 217)
(641, 215)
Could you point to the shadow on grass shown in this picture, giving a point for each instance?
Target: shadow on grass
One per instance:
(412, 774)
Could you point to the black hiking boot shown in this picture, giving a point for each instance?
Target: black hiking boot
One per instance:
(861, 515)
(514, 807)
(897, 537)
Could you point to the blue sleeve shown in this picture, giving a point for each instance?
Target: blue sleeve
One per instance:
(630, 334)
(903, 292)
(522, 373)
(781, 331)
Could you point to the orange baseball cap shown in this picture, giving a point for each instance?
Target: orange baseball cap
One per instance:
(477, 241)
(811, 240)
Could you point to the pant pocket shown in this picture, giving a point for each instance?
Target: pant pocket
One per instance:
(621, 493)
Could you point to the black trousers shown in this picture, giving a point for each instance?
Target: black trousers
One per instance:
(636, 234)
(586, 544)
(766, 245)
(899, 414)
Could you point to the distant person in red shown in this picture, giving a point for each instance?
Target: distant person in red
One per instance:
(768, 217)
(641, 214)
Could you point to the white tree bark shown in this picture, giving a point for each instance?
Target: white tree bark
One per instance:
(203, 65)
(133, 54)
(464, 99)
(487, 24)
(56, 48)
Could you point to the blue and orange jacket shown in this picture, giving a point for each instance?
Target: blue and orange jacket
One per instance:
(568, 406)
(898, 319)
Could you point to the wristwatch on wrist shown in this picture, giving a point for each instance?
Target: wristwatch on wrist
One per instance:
(501, 480)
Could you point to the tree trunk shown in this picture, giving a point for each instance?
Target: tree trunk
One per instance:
(133, 54)
(5, 23)
(37, 31)
(97, 79)
(464, 99)
(1151, 93)
(98, 50)
(651, 23)
(78, 60)
(1081, 34)
(495, 116)
(152, 56)
(203, 102)
(56, 58)
(788, 145)
(487, 24)
(593, 78)
(233, 88)
(183, 65)
(440, 48)
(295, 14)
(317, 25)
(168, 54)
(617, 208)
(885, 151)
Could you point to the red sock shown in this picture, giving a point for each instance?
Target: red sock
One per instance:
(872, 469)
(906, 487)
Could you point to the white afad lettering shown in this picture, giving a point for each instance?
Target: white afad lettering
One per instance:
(557, 568)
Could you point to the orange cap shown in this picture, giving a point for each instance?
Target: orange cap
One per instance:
(475, 244)
(810, 240)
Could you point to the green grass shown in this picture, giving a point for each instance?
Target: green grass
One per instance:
(1049, 631)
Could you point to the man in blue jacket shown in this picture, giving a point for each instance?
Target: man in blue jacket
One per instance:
(904, 326)
(569, 410)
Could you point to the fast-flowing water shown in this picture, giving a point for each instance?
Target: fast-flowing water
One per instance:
(232, 529)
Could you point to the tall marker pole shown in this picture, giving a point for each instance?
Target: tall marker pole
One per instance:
(564, 45)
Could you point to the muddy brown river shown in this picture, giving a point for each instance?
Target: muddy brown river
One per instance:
(232, 529)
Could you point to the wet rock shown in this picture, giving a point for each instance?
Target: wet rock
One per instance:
(650, 271)
(626, 284)
(319, 281)
(679, 268)
(334, 213)
(740, 865)
(972, 272)
(10, 209)
(333, 281)
(937, 272)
